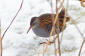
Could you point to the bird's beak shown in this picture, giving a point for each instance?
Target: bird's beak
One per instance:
(29, 29)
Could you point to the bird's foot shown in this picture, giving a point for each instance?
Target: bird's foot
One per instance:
(48, 42)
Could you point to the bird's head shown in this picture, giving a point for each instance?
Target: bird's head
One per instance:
(34, 22)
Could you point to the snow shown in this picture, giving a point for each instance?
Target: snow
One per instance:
(18, 43)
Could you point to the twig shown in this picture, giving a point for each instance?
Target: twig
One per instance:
(66, 14)
(0, 46)
(12, 20)
(79, 31)
(77, 28)
(55, 48)
(82, 3)
(61, 6)
(53, 26)
(0, 40)
(83, 39)
(81, 36)
(81, 47)
(43, 49)
(64, 22)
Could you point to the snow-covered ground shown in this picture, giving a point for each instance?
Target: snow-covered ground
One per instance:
(18, 43)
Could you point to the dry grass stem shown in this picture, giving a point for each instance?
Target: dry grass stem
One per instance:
(81, 36)
(61, 5)
(55, 49)
(0, 41)
(38, 53)
(13, 19)
(43, 50)
(0, 46)
(81, 47)
(9, 27)
(82, 3)
(64, 22)
(66, 14)
(53, 28)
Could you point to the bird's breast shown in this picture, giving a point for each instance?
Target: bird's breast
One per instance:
(40, 31)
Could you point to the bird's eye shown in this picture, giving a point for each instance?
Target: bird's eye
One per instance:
(33, 20)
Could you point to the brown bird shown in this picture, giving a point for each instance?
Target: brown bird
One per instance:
(82, 0)
(42, 25)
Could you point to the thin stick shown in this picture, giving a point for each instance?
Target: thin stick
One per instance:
(52, 30)
(0, 40)
(56, 18)
(46, 48)
(51, 6)
(59, 47)
(78, 29)
(82, 3)
(55, 47)
(61, 4)
(81, 47)
(43, 49)
(64, 19)
(12, 20)
(82, 37)
(0, 46)
(54, 22)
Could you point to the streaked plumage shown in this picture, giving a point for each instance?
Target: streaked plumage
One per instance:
(42, 25)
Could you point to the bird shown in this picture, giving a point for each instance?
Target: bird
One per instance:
(82, 0)
(42, 24)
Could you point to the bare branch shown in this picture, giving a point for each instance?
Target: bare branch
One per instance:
(12, 20)
(81, 47)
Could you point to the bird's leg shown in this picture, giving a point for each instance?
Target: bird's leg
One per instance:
(49, 42)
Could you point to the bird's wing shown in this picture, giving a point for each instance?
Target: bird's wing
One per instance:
(46, 19)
